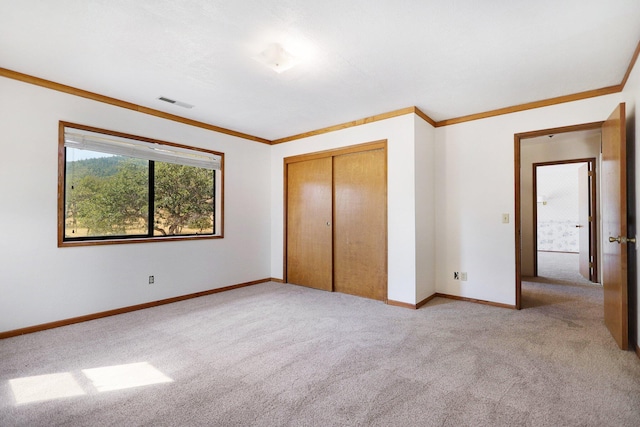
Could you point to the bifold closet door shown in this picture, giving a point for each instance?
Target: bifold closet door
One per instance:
(360, 236)
(309, 223)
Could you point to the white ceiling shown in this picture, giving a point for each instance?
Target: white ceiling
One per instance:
(360, 58)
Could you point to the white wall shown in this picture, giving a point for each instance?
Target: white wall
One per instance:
(425, 209)
(577, 146)
(41, 283)
(401, 190)
(475, 176)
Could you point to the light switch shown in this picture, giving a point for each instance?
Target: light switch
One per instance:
(505, 218)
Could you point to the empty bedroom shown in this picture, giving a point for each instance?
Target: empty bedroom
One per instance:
(275, 213)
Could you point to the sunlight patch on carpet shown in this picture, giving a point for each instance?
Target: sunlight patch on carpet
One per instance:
(120, 377)
(41, 388)
(45, 387)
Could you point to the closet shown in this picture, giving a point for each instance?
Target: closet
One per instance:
(336, 220)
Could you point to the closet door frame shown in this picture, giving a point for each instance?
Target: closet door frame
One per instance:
(368, 146)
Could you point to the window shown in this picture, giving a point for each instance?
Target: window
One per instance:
(118, 188)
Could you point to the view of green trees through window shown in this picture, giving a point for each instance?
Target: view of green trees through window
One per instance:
(113, 196)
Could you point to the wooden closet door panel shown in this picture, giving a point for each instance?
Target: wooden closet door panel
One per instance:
(309, 229)
(360, 215)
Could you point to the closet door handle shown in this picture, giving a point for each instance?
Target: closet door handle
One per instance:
(328, 223)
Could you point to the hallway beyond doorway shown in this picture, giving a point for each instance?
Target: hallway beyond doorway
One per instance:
(561, 268)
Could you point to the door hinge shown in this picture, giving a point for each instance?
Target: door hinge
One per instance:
(590, 218)
(592, 173)
(590, 265)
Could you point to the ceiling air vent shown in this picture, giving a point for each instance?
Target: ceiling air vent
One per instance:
(173, 101)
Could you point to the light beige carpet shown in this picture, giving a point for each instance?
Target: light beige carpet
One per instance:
(282, 355)
(560, 267)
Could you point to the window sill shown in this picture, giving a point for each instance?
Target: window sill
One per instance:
(98, 242)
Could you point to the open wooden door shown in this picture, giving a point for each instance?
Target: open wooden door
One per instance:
(587, 234)
(584, 229)
(614, 226)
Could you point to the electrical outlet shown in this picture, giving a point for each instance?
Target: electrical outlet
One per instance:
(463, 276)
(456, 275)
(151, 280)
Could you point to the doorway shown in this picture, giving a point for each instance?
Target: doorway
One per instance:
(543, 146)
(565, 213)
(613, 219)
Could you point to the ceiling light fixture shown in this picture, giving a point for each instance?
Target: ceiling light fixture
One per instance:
(277, 58)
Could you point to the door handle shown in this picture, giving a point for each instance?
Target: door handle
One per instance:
(622, 239)
(579, 226)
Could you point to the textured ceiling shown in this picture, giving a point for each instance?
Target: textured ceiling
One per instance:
(359, 58)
